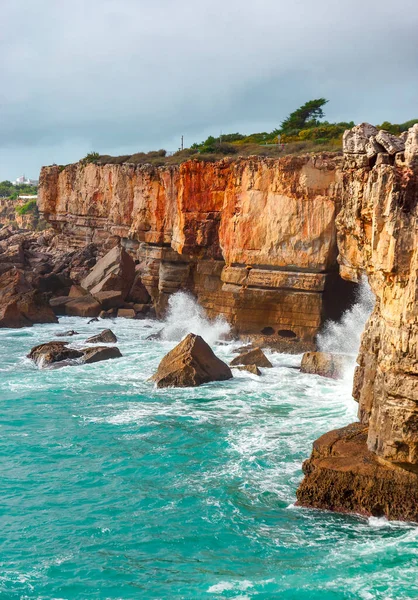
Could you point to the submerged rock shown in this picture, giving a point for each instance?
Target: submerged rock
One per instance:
(189, 364)
(252, 357)
(250, 368)
(69, 333)
(98, 353)
(343, 475)
(53, 352)
(105, 337)
(325, 364)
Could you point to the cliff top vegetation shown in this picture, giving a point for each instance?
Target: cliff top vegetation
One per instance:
(303, 131)
(9, 190)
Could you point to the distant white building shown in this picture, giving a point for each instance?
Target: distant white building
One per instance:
(25, 180)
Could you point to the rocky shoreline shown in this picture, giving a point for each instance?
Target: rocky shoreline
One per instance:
(275, 246)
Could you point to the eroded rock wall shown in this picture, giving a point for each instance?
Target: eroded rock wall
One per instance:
(253, 239)
(376, 471)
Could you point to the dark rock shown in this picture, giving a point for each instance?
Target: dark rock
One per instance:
(189, 364)
(69, 333)
(59, 303)
(253, 357)
(20, 304)
(53, 352)
(105, 337)
(344, 476)
(94, 320)
(92, 355)
(139, 293)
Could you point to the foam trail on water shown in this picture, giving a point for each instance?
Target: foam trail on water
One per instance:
(343, 336)
(185, 316)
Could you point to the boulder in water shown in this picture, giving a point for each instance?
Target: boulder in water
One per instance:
(69, 333)
(104, 337)
(325, 364)
(53, 352)
(253, 357)
(189, 364)
(98, 353)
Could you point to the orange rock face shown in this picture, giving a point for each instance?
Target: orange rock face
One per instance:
(254, 239)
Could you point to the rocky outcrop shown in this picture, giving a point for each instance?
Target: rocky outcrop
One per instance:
(253, 239)
(344, 475)
(189, 364)
(53, 352)
(20, 304)
(104, 337)
(114, 272)
(378, 235)
(255, 356)
(99, 353)
(324, 364)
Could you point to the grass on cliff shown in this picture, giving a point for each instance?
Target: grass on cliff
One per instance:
(303, 131)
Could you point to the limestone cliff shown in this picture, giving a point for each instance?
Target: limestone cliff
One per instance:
(253, 239)
(378, 235)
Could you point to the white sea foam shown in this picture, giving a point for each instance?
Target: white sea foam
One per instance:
(185, 316)
(343, 336)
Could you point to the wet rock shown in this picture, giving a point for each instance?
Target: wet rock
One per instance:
(390, 143)
(191, 363)
(69, 333)
(253, 357)
(53, 352)
(250, 368)
(155, 336)
(325, 364)
(93, 320)
(104, 337)
(84, 306)
(343, 475)
(20, 304)
(108, 314)
(110, 299)
(99, 353)
(114, 272)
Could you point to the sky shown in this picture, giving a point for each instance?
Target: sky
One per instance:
(122, 76)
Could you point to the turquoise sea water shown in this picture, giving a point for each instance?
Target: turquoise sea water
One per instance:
(114, 489)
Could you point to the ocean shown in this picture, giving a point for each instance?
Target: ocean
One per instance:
(114, 489)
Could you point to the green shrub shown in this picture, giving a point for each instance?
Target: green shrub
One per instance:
(29, 206)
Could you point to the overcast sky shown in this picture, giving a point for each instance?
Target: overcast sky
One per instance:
(119, 76)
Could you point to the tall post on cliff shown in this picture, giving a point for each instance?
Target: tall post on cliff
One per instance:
(182, 143)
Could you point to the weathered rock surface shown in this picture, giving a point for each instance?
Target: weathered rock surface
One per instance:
(114, 272)
(191, 363)
(344, 475)
(109, 300)
(99, 353)
(83, 306)
(20, 304)
(325, 364)
(375, 471)
(53, 352)
(252, 239)
(104, 337)
(252, 357)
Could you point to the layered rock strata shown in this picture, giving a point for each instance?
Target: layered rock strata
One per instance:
(378, 235)
(252, 239)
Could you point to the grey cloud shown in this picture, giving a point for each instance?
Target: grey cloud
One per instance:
(134, 75)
